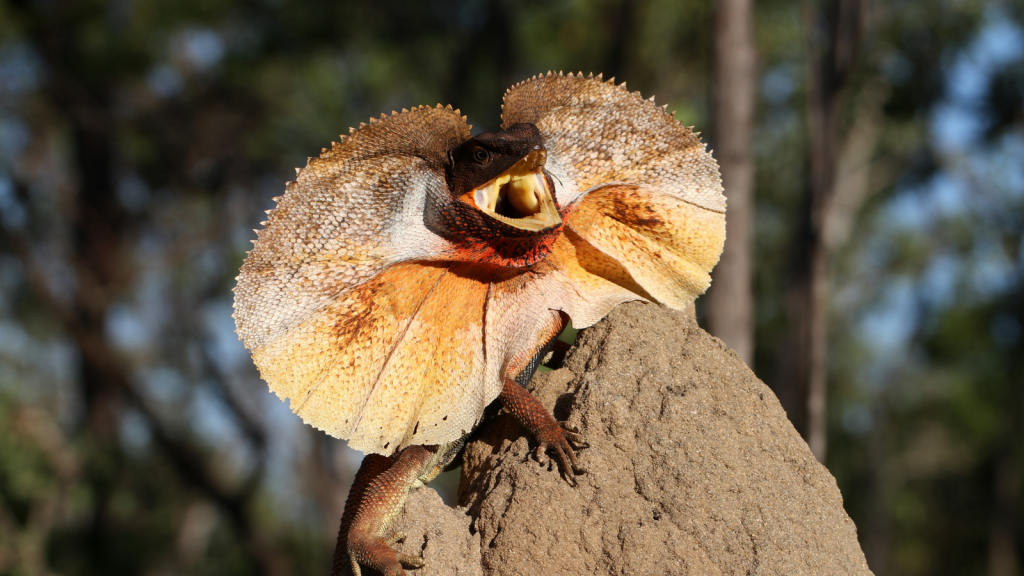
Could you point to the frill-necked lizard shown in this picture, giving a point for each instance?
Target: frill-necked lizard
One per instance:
(412, 274)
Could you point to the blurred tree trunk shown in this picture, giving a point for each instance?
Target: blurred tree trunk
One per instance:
(731, 299)
(877, 526)
(833, 40)
(1002, 553)
(1004, 528)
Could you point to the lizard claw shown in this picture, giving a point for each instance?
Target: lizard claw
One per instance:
(557, 436)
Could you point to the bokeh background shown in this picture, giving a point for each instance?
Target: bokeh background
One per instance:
(141, 141)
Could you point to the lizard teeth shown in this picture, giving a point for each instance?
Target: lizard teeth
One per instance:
(482, 198)
(486, 197)
(520, 191)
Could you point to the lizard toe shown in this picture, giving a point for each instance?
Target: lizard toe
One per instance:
(540, 454)
(411, 561)
(573, 435)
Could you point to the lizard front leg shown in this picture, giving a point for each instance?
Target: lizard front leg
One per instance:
(538, 421)
(377, 496)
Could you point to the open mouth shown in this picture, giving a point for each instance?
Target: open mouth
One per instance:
(520, 197)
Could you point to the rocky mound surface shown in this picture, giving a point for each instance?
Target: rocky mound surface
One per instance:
(693, 468)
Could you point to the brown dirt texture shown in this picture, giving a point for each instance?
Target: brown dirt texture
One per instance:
(693, 469)
(440, 535)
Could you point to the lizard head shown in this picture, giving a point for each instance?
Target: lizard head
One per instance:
(501, 208)
(501, 174)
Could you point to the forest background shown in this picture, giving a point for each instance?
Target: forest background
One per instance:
(873, 154)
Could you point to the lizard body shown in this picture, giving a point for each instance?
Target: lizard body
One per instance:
(412, 274)
(382, 484)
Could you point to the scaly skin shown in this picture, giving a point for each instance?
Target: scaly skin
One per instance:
(369, 537)
(372, 467)
(382, 484)
(378, 494)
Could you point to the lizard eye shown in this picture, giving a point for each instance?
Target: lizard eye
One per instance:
(481, 156)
